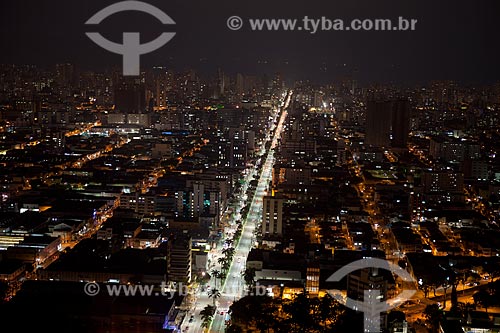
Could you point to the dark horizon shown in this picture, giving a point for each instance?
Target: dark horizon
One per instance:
(454, 40)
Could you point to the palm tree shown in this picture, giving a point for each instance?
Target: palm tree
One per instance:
(206, 315)
(249, 276)
(214, 294)
(222, 260)
(217, 275)
(237, 233)
(228, 252)
(225, 266)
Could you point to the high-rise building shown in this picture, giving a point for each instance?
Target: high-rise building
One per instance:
(197, 199)
(162, 80)
(378, 124)
(130, 97)
(179, 257)
(443, 181)
(65, 74)
(138, 202)
(312, 279)
(272, 217)
(387, 123)
(205, 201)
(453, 149)
(341, 153)
(368, 282)
(240, 83)
(400, 123)
(445, 186)
(475, 169)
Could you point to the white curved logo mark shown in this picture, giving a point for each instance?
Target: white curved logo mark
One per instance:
(131, 49)
(373, 304)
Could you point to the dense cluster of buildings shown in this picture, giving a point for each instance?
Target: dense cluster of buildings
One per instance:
(405, 175)
(107, 179)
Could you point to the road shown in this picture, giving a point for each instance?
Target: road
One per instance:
(415, 310)
(234, 286)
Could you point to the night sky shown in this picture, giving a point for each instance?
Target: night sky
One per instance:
(454, 39)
